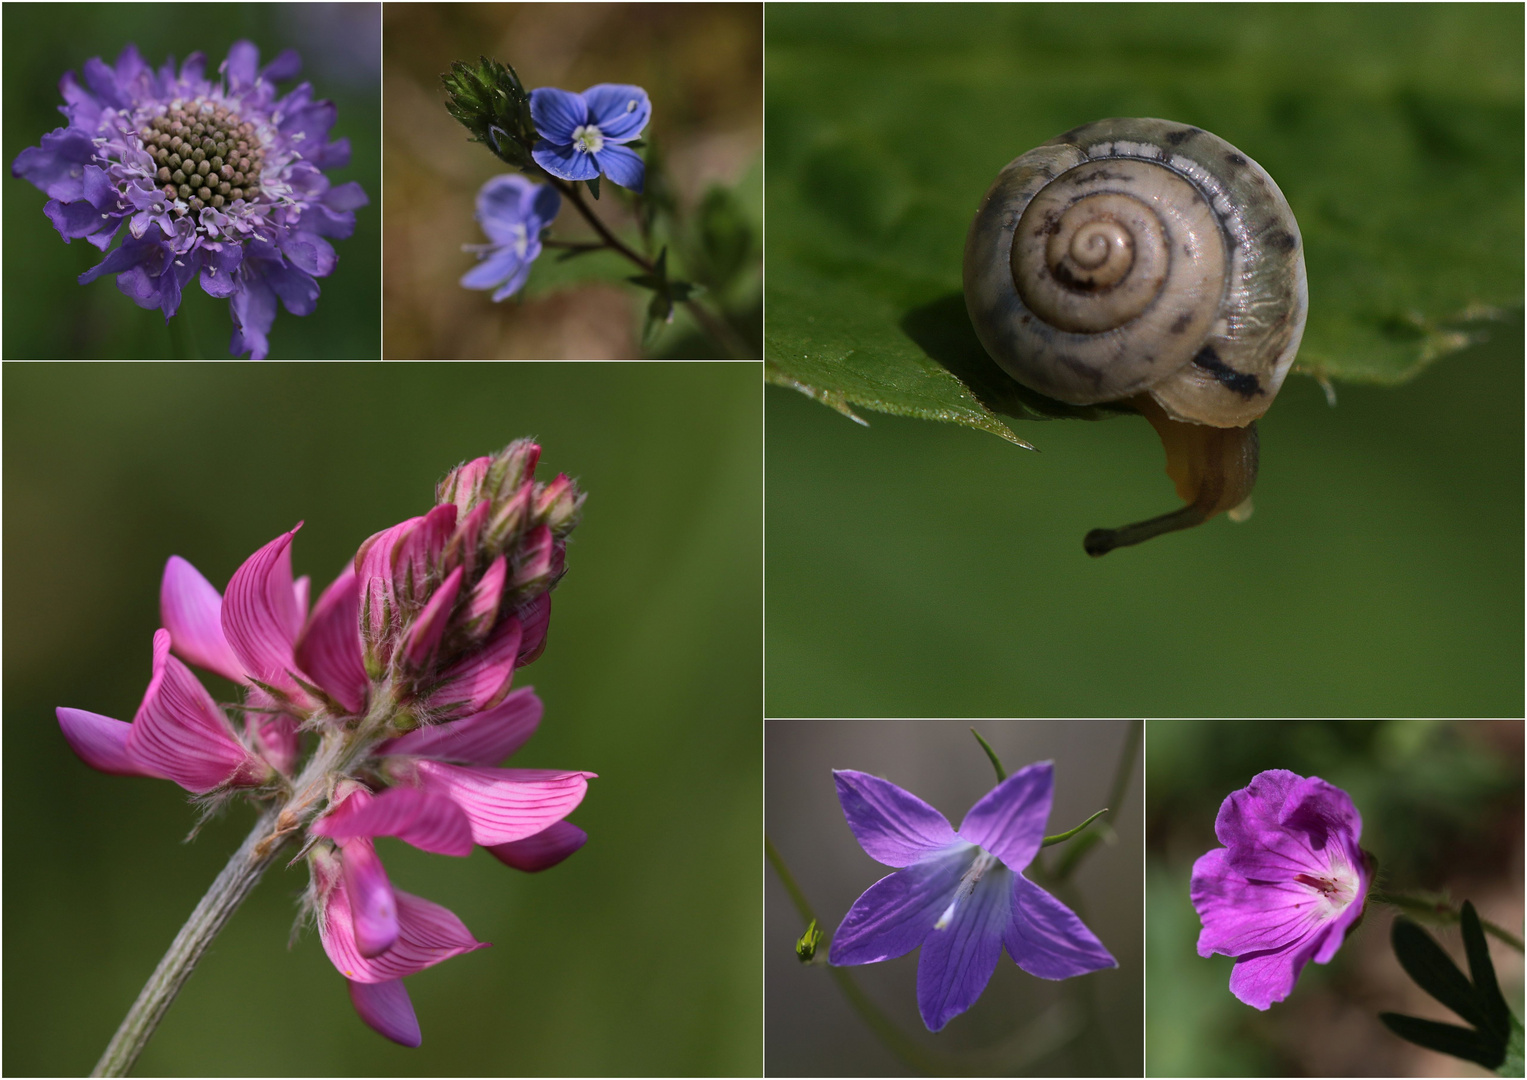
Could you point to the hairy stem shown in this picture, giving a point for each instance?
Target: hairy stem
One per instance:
(1439, 911)
(277, 826)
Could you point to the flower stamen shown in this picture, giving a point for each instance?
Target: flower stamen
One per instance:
(972, 877)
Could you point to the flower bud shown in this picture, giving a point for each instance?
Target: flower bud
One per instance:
(463, 486)
(533, 568)
(558, 504)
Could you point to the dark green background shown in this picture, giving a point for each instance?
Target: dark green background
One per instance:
(48, 315)
(637, 956)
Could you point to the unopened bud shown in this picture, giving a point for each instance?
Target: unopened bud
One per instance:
(558, 503)
(533, 562)
(806, 947)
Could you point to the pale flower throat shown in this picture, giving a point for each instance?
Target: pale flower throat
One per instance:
(1333, 890)
(984, 861)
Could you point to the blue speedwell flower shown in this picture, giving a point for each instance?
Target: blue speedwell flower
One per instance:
(960, 895)
(512, 211)
(581, 133)
(220, 179)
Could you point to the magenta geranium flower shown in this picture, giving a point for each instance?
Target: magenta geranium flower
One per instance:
(960, 895)
(403, 671)
(1287, 887)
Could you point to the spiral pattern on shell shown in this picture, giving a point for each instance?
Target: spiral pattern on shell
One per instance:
(1137, 256)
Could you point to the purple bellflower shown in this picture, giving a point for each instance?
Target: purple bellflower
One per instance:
(581, 134)
(220, 180)
(512, 211)
(1287, 887)
(960, 895)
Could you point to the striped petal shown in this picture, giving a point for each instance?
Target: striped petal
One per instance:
(373, 908)
(427, 934)
(192, 611)
(534, 618)
(481, 680)
(329, 649)
(100, 742)
(273, 733)
(543, 850)
(260, 616)
(428, 821)
(385, 1008)
(422, 638)
(502, 804)
(485, 738)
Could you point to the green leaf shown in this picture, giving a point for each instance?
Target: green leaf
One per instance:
(1513, 1065)
(593, 183)
(1460, 1042)
(1396, 135)
(1434, 971)
(1497, 1013)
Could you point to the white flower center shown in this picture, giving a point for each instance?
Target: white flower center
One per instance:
(521, 239)
(984, 861)
(588, 138)
(1334, 890)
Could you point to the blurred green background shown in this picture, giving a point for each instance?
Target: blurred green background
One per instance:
(48, 315)
(1022, 1025)
(637, 956)
(1441, 803)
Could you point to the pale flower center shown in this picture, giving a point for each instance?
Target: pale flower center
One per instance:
(588, 138)
(1333, 890)
(984, 861)
(521, 239)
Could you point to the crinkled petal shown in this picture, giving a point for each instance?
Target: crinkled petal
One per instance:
(428, 821)
(427, 934)
(57, 166)
(385, 1008)
(485, 738)
(504, 804)
(957, 961)
(893, 826)
(100, 742)
(622, 165)
(1009, 820)
(310, 253)
(329, 648)
(542, 851)
(619, 110)
(130, 254)
(1045, 938)
(565, 161)
(260, 616)
(179, 731)
(297, 290)
(76, 219)
(373, 909)
(557, 113)
(895, 914)
(192, 611)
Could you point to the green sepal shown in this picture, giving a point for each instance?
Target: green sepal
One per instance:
(806, 946)
(996, 762)
(593, 183)
(1060, 838)
(489, 100)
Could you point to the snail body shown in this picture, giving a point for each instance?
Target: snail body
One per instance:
(1149, 263)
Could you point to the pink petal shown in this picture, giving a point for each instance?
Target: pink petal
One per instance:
(422, 638)
(191, 611)
(273, 734)
(100, 741)
(385, 1008)
(462, 548)
(485, 738)
(374, 911)
(416, 560)
(534, 618)
(481, 680)
(428, 821)
(260, 616)
(543, 850)
(427, 934)
(482, 605)
(510, 516)
(373, 572)
(464, 483)
(329, 649)
(179, 732)
(301, 589)
(533, 561)
(501, 804)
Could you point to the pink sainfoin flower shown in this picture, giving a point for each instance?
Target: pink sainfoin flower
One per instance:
(403, 670)
(1289, 885)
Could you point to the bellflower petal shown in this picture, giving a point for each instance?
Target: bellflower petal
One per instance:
(504, 804)
(386, 1009)
(543, 850)
(958, 959)
(893, 826)
(1009, 820)
(896, 914)
(484, 738)
(1047, 939)
(101, 742)
(192, 611)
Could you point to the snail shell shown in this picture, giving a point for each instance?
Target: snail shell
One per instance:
(1139, 256)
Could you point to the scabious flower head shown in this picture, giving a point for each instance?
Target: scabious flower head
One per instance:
(960, 895)
(217, 179)
(512, 211)
(582, 135)
(1287, 887)
(403, 668)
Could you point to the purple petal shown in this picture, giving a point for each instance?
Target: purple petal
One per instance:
(893, 826)
(283, 67)
(427, 934)
(253, 308)
(1262, 980)
(895, 914)
(501, 266)
(130, 254)
(557, 113)
(374, 911)
(329, 648)
(309, 253)
(619, 111)
(260, 616)
(192, 611)
(100, 742)
(57, 165)
(1046, 938)
(504, 804)
(74, 220)
(297, 290)
(243, 65)
(565, 161)
(179, 732)
(1009, 821)
(622, 165)
(385, 1008)
(485, 738)
(514, 283)
(957, 961)
(543, 850)
(428, 821)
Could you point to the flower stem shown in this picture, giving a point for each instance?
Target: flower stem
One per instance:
(1121, 776)
(1439, 911)
(714, 325)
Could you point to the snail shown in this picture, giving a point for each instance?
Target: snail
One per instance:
(1152, 265)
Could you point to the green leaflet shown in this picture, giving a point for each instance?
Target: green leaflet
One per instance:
(1396, 135)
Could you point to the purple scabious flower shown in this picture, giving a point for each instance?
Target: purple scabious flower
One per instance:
(1287, 887)
(960, 895)
(581, 134)
(512, 211)
(217, 179)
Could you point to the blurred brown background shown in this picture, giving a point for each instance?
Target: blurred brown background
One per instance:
(702, 65)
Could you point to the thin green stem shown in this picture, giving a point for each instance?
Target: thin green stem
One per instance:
(1121, 778)
(1439, 911)
(996, 762)
(1061, 838)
